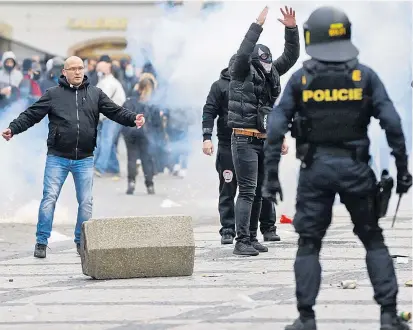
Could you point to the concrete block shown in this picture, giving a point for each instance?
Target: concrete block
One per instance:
(151, 246)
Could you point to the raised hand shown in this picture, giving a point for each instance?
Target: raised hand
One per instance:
(263, 16)
(289, 17)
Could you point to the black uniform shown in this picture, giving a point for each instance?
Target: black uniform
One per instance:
(253, 89)
(331, 103)
(217, 106)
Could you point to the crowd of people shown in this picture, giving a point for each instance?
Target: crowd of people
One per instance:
(159, 146)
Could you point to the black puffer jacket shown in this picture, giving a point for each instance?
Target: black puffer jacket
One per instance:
(73, 118)
(217, 105)
(250, 85)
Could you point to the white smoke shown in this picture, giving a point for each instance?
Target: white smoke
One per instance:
(21, 171)
(189, 49)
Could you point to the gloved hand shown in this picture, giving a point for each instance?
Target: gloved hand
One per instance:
(404, 181)
(271, 188)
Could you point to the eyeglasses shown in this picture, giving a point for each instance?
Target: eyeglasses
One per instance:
(80, 69)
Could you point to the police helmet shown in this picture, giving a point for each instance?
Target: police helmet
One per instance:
(327, 35)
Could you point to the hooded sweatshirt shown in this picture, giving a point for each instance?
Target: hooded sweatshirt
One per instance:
(14, 77)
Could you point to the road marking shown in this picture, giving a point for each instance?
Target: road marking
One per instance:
(57, 237)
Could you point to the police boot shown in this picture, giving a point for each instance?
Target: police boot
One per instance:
(271, 235)
(392, 322)
(131, 187)
(307, 324)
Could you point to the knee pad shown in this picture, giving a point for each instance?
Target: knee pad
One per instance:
(308, 246)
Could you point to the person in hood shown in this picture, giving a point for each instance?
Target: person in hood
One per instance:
(10, 74)
(253, 90)
(73, 109)
(29, 87)
(217, 106)
(55, 66)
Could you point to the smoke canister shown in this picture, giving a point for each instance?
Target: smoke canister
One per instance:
(405, 316)
(350, 284)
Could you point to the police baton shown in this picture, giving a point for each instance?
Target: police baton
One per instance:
(397, 210)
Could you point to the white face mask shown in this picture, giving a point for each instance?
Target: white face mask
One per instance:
(100, 74)
(129, 73)
(267, 66)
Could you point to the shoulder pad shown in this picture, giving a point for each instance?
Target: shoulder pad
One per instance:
(310, 65)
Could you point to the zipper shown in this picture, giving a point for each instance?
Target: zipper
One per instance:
(78, 124)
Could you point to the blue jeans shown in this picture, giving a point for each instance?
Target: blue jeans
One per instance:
(55, 174)
(106, 158)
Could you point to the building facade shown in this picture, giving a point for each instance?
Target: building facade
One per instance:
(83, 28)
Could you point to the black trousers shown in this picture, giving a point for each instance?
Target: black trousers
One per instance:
(137, 145)
(355, 183)
(248, 158)
(227, 191)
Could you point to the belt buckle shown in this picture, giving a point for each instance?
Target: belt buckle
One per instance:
(260, 136)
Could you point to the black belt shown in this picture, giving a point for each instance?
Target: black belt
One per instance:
(337, 151)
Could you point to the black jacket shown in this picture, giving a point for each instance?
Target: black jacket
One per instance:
(73, 118)
(217, 105)
(250, 85)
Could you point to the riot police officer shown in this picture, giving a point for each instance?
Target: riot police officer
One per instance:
(330, 101)
(217, 106)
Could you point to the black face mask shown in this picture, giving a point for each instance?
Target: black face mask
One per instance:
(36, 75)
(8, 68)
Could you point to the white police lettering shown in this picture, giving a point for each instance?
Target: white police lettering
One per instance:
(228, 175)
(265, 122)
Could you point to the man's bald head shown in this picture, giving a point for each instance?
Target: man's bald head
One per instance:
(73, 61)
(74, 70)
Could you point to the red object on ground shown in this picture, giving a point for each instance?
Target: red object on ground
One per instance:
(285, 219)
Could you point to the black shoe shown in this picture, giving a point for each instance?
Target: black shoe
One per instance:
(245, 249)
(78, 248)
(299, 324)
(131, 188)
(227, 238)
(392, 322)
(150, 190)
(40, 250)
(271, 235)
(258, 246)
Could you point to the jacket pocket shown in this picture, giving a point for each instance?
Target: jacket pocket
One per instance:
(51, 138)
(87, 139)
